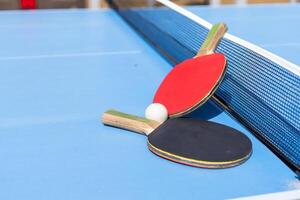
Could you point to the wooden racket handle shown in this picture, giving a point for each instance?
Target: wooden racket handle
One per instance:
(129, 122)
(212, 39)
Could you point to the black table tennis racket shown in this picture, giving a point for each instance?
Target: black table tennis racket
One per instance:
(188, 141)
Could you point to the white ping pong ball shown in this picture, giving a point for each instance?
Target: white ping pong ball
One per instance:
(157, 112)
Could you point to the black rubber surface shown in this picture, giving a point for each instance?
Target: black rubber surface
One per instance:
(200, 140)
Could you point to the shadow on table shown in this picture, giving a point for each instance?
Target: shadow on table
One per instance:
(205, 112)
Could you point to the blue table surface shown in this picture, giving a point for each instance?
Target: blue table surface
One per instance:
(273, 27)
(61, 69)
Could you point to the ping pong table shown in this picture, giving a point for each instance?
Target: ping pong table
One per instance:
(61, 69)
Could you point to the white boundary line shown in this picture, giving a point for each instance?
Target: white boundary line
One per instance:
(40, 120)
(289, 195)
(108, 53)
(286, 64)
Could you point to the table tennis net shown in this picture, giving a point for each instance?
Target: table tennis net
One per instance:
(263, 92)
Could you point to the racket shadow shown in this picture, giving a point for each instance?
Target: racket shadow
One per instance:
(207, 111)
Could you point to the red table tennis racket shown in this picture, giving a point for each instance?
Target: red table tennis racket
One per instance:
(192, 82)
(188, 141)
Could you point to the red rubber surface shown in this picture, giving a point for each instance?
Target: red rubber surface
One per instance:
(190, 82)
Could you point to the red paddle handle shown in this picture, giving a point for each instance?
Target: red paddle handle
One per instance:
(212, 39)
